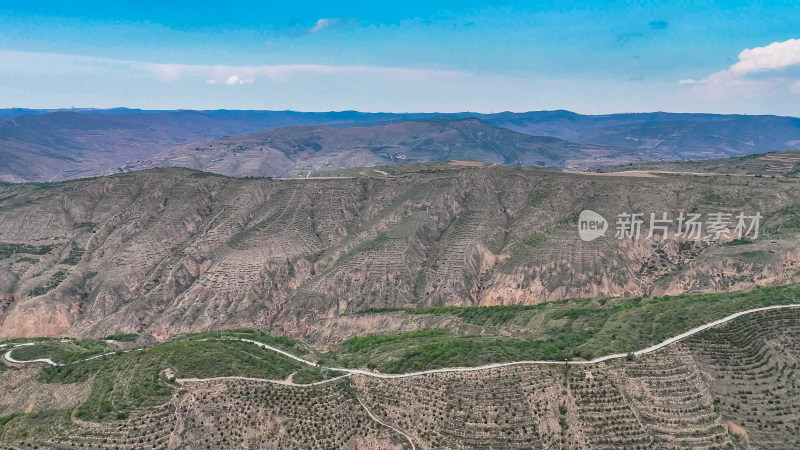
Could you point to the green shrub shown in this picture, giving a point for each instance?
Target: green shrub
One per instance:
(75, 254)
(534, 240)
(54, 281)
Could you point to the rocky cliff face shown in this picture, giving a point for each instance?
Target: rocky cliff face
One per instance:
(170, 250)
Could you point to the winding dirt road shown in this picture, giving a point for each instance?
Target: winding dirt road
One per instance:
(368, 373)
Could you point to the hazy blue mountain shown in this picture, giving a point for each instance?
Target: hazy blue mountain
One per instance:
(40, 145)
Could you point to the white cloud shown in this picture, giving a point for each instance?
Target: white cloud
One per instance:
(777, 55)
(234, 79)
(323, 24)
(739, 80)
(724, 84)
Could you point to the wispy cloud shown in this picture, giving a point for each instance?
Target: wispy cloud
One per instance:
(47, 80)
(323, 24)
(760, 71)
(724, 84)
(239, 75)
(234, 79)
(229, 75)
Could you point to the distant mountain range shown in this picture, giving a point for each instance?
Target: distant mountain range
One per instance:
(44, 145)
(303, 150)
(686, 136)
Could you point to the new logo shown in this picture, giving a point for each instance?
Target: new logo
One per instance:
(591, 225)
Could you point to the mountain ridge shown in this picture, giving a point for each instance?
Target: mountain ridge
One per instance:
(304, 149)
(42, 145)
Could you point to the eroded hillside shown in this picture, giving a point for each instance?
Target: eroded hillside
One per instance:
(167, 251)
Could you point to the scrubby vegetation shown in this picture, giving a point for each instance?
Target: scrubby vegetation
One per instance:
(5, 419)
(577, 328)
(137, 379)
(60, 352)
(75, 254)
(124, 337)
(283, 342)
(792, 223)
(409, 352)
(476, 315)
(534, 239)
(55, 279)
(7, 249)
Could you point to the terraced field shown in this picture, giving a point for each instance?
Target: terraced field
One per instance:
(778, 164)
(752, 366)
(735, 385)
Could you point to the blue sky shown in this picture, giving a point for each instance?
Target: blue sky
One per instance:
(589, 57)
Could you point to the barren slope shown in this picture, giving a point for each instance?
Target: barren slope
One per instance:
(170, 250)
